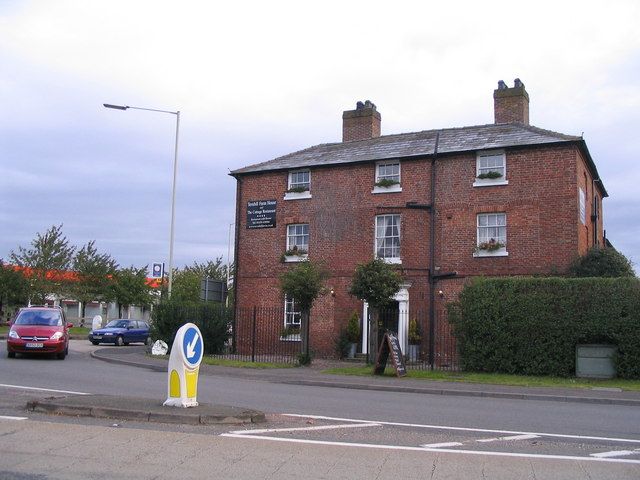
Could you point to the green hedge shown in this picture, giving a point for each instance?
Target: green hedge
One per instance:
(531, 326)
(213, 320)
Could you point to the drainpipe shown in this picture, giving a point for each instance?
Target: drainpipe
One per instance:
(432, 254)
(236, 261)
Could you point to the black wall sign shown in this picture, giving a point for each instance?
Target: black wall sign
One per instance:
(390, 346)
(261, 214)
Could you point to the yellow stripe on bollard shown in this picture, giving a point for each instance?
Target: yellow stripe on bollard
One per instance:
(174, 385)
(192, 383)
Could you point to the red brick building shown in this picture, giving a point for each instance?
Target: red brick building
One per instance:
(443, 205)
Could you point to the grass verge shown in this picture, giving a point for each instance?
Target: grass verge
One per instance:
(496, 378)
(224, 362)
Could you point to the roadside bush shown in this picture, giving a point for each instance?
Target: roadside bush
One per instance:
(531, 326)
(213, 320)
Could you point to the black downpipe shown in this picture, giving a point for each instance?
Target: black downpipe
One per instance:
(432, 254)
(236, 262)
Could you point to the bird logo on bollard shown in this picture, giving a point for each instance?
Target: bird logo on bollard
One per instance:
(184, 363)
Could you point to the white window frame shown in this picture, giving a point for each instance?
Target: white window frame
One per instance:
(292, 183)
(483, 233)
(391, 188)
(294, 235)
(489, 182)
(292, 318)
(380, 240)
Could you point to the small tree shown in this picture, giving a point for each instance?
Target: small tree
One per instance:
(50, 254)
(14, 288)
(304, 283)
(376, 283)
(130, 288)
(602, 262)
(95, 276)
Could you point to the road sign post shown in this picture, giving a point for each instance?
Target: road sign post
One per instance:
(184, 364)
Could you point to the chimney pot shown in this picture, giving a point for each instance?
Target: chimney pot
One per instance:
(501, 85)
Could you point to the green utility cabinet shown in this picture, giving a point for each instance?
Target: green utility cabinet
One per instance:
(595, 361)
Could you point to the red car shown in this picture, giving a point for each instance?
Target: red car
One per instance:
(39, 330)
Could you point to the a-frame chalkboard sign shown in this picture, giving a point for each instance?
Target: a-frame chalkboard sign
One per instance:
(390, 346)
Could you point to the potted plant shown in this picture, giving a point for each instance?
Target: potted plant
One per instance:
(294, 254)
(353, 334)
(414, 340)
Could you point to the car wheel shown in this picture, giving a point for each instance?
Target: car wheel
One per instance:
(11, 354)
(61, 355)
(94, 342)
(119, 341)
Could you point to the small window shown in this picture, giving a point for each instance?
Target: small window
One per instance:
(387, 177)
(388, 238)
(298, 239)
(298, 185)
(492, 235)
(491, 169)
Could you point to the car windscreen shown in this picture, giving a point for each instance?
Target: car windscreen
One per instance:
(118, 324)
(42, 317)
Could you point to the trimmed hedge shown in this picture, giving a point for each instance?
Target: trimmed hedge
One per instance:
(531, 326)
(213, 320)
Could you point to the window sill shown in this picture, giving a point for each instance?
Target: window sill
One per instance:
(297, 195)
(291, 338)
(496, 253)
(392, 189)
(482, 182)
(295, 258)
(393, 261)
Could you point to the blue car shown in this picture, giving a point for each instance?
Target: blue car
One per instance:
(121, 332)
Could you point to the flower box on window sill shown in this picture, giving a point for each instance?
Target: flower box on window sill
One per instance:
(491, 249)
(297, 194)
(393, 261)
(490, 182)
(386, 186)
(294, 255)
(290, 334)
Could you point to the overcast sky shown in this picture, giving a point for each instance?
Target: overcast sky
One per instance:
(256, 80)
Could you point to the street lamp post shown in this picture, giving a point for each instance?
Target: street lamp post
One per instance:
(175, 172)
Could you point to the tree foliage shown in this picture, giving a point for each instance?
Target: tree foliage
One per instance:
(14, 287)
(376, 283)
(602, 262)
(130, 288)
(187, 281)
(49, 252)
(95, 272)
(304, 283)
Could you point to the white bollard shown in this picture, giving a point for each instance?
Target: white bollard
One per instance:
(96, 322)
(184, 363)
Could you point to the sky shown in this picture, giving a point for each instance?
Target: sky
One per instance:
(255, 80)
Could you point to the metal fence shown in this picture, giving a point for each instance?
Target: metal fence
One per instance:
(259, 335)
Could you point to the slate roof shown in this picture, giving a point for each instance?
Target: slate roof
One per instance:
(420, 144)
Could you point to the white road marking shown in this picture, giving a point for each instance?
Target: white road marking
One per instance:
(441, 445)
(618, 453)
(20, 387)
(434, 450)
(513, 437)
(5, 417)
(465, 429)
(305, 429)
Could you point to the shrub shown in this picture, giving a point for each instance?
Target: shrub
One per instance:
(341, 344)
(213, 320)
(414, 332)
(531, 326)
(602, 262)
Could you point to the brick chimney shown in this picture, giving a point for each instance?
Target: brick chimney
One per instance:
(511, 105)
(361, 123)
